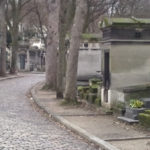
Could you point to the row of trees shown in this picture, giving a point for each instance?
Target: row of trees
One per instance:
(61, 18)
(74, 18)
(74, 22)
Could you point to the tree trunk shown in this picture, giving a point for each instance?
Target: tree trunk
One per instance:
(51, 64)
(62, 49)
(14, 35)
(52, 44)
(2, 39)
(66, 14)
(71, 75)
(61, 63)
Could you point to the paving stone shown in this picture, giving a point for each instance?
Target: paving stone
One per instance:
(23, 128)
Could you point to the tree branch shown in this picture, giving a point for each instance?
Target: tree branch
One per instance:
(28, 12)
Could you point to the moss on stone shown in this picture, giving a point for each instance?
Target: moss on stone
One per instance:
(94, 81)
(106, 22)
(147, 111)
(144, 119)
(91, 37)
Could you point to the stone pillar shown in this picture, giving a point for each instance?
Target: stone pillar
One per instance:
(28, 61)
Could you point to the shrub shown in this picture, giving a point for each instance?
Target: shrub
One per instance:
(135, 103)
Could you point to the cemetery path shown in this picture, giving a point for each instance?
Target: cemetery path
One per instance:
(23, 128)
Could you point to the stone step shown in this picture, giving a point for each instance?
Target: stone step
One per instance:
(128, 120)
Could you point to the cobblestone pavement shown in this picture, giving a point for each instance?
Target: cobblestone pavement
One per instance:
(23, 128)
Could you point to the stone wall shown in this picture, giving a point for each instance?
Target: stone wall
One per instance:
(89, 63)
(129, 64)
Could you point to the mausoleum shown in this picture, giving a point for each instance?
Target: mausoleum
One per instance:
(125, 59)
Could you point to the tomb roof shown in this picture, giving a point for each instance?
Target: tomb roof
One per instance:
(107, 21)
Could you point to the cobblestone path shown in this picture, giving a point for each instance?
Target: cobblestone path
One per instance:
(23, 128)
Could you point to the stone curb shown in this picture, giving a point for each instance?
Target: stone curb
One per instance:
(8, 78)
(91, 138)
(32, 72)
(128, 138)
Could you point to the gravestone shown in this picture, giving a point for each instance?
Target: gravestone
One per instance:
(133, 113)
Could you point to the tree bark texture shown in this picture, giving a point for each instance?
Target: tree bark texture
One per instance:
(62, 52)
(52, 43)
(72, 64)
(2, 39)
(14, 46)
(65, 19)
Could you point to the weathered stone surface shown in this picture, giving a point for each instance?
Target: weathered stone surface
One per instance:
(146, 102)
(128, 120)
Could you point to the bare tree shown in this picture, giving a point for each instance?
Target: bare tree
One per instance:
(128, 8)
(142, 11)
(71, 74)
(36, 21)
(2, 39)
(52, 43)
(114, 8)
(41, 12)
(96, 8)
(15, 12)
